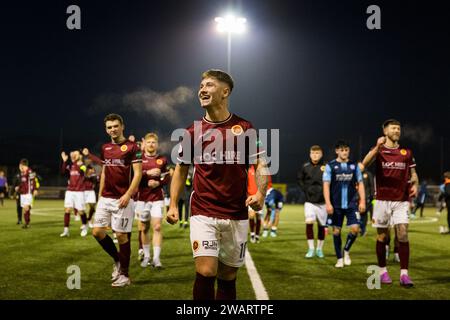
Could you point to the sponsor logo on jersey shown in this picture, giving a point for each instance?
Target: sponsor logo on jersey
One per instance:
(108, 148)
(115, 162)
(394, 165)
(322, 168)
(159, 162)
(210, 245)
(123, 148)
(403, 152)
(195, 245)
(220, 157)
(237, 130)
(344, 177)
(352, 167)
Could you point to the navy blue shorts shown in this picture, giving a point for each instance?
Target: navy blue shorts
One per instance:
(338, 217)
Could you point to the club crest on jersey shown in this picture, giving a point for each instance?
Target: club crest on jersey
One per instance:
(159, 162)
(365, 175)
(403, 152)
(123, 148)
(195, 245)
(352, 167)
(237, 130)
(322, 168)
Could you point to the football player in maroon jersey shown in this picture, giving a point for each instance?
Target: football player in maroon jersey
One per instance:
(74, 196)
(219, 201)
(121, 161)
(27, 189)
(396, 182)
(150, 204)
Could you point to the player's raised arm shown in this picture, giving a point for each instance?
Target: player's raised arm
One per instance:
(370, 157)
(64, 158)
(176, 187)
(256, 201)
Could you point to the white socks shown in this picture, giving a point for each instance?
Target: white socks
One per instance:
(146, 248)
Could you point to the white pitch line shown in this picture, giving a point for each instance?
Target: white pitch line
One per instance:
(258, 286)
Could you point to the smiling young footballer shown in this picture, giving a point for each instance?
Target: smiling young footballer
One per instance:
(119, 181)
(219, 201)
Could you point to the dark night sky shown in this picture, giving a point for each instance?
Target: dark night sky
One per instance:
(309, 68)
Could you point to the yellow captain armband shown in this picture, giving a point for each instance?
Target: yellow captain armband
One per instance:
(373, 202)
(83, 168)
(36, 180)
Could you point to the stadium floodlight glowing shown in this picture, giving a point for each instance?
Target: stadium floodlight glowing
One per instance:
(230, 24)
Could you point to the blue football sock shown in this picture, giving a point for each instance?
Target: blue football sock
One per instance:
(350, 239)
(337, 245)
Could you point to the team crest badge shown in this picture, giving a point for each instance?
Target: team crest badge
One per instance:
(403, 152)
(123, 148)
(237, 130)
(195, 245)
(352, 167)
(365, 175)
(322, 168)
(159, 162)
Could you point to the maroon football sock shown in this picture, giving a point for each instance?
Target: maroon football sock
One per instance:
(83, 218)
(91, 213)
(27, 216)
(396, 245)
(252, 224)
(226, 289)
(403, 252)
(75, 211)
(140, 239)
(321, 232)
(381, 254)
(203, 287)
(309, 231)
(258, 226)
(124, 257)
(108, 245)
(66, 219)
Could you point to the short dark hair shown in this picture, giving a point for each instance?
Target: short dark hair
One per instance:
(113, 117)
(341, 144)
(447, 175)
(315, 148)
(391, 121)
(24, 162)
(219, 75)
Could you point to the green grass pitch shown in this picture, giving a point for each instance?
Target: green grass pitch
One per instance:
(34, 262)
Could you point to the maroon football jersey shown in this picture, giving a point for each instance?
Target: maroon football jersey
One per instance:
(145, 193)
(90, 182)
(27, 182)
(76, 176)
(220, 189)
(393, 172)
(117, 163)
